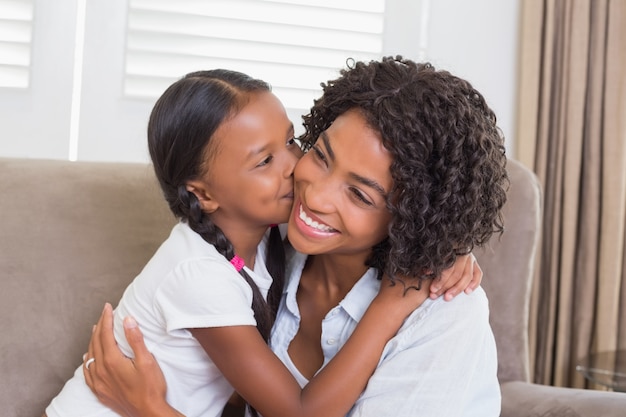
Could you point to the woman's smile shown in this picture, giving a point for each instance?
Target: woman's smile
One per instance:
(311, 224)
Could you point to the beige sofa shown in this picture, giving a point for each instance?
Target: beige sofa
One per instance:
(73, 234)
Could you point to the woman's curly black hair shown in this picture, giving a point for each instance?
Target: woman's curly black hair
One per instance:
(448, 169)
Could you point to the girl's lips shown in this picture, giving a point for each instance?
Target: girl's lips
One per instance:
(310, 224)
(288, 195)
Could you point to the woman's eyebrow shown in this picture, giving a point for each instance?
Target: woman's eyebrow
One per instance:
(370, 183)
(363, 180)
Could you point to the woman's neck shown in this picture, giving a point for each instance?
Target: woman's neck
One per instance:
(334, 274)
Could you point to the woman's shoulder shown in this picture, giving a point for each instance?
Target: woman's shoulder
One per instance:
(469, 311)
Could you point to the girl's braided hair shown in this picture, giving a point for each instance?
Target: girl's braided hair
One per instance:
(448, 155)
(180, 129)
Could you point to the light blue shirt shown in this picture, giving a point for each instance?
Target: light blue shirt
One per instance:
(442, 362)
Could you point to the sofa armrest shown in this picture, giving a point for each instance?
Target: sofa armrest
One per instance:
(522, 399)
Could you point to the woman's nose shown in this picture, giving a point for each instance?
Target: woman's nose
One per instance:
(319, 195)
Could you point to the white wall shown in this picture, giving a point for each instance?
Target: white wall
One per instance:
(477, 40)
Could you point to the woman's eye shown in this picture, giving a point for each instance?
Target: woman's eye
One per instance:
(361, 197)
(319, 154)
(265, 161)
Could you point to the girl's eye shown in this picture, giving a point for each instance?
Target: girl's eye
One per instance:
(266, 161)
(361, 197)
(291, 141)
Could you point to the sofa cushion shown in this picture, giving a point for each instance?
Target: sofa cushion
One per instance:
(72, 236)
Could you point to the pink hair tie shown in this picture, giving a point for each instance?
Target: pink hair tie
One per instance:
(273, 225)
(237, 262)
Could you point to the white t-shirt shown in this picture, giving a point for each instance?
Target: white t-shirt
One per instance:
(442, 361)
(186, 284)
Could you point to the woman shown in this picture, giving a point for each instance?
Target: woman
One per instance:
(404, 171)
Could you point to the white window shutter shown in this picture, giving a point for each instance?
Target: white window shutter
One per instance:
(16, 27)
(292, 44)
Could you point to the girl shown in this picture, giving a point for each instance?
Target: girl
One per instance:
(223, 152)
(405, 171)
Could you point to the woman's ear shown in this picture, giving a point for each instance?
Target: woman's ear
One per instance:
(202, 193)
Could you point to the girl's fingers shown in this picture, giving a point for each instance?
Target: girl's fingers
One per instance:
(476, 278)
(464, 276)
(462, 281)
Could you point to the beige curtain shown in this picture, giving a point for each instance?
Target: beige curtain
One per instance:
(572, 132)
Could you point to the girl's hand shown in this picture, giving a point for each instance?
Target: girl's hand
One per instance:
(402, 296)
(130, 387)
(464, 276)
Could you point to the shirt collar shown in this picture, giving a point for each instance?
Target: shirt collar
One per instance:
(361, 295)
(293, 271)
(356, 301)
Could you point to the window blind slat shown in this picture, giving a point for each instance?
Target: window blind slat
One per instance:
(374, 6)
(15, 54)
(15, 31)
(354, 19)
(13, 76)
(202, 26)
(183, 45)
(309, 77)
(17, 10)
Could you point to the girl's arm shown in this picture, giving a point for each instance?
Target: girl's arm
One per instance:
(122, 384)
(263, 381)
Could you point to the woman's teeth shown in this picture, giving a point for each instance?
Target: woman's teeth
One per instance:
(312, 223)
